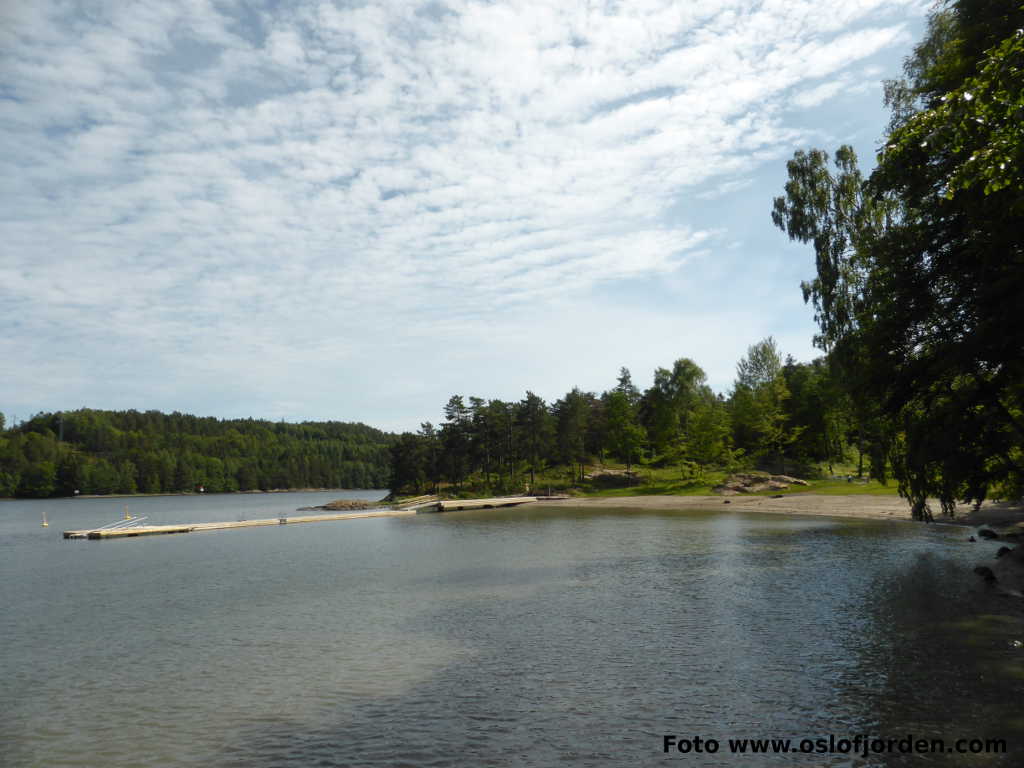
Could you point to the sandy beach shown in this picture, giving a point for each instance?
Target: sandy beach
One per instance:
(856, 506)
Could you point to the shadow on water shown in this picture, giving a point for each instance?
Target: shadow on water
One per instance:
(942, 658)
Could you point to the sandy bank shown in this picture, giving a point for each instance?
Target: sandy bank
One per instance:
(867, 507)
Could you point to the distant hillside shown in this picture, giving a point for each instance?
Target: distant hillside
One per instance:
(102, 452)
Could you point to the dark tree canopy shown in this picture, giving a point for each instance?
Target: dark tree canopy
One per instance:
(920, 268)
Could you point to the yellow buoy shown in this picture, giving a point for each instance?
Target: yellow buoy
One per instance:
(126, 515)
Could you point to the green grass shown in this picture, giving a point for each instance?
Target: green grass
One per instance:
(655, 481)
(662, 481)
(843, 488)
(668, 481)
(824, 487)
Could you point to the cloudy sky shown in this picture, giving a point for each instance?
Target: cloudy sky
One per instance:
(328, 210)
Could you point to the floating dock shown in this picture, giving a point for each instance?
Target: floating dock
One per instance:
(154, 530)
(410, 507)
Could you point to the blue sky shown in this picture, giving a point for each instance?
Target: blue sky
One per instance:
(323, 210)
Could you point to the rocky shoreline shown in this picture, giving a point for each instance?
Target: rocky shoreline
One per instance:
(342, 505)
(1005, 573)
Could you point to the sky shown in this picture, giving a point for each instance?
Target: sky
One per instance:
(352, 211)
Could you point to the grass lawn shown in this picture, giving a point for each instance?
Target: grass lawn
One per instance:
(667, 481)
(660, 481)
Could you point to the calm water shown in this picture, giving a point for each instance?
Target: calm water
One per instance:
(498, 638)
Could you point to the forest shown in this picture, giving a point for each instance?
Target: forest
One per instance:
(104, 452)
(780, 415)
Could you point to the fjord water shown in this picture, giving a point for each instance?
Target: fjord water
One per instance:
(526, 637)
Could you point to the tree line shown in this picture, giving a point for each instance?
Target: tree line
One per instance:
(779, 414)
(919, 282)
(102, 452)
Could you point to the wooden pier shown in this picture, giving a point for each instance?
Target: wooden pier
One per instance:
(154, 530)
(410, 507)
(420, 504)
(436, 504)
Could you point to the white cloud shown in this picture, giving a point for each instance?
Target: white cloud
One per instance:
(725, 188)
(189, 186)
(819, 94)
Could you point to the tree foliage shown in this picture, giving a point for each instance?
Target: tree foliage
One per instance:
(625, 435)
(497, 446)
(106, 452)
(759, 400)
(920, 268)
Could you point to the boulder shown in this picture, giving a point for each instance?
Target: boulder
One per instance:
(986, 573)
(789, 480)
(750, 482)
(1009, 569)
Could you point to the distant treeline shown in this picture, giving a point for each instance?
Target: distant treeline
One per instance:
(102, 452)
(779, 414)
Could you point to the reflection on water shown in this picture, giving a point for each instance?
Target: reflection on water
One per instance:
(527, 637)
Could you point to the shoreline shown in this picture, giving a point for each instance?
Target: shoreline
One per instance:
(189, 493)
(863, 507)
(807, 503)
